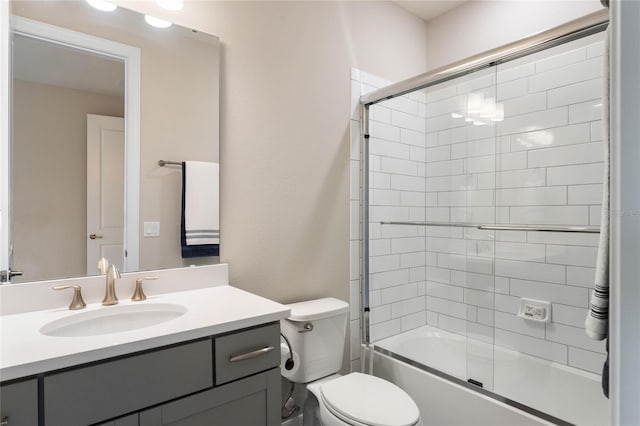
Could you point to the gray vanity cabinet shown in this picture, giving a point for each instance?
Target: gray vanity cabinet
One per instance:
(253, 401)
(19, 403)
(229, 379)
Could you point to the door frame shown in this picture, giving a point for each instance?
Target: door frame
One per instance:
(130, 55)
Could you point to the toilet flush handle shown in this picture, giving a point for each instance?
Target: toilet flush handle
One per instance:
(306, 328)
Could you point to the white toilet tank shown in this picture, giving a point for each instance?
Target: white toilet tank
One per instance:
(316, 330)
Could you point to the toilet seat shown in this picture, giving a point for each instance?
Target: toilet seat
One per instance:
(361, 399)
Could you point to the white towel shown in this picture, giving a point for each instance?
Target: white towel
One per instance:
(201, 215)
(597, 322)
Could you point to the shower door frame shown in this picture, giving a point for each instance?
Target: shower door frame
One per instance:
(590, 24)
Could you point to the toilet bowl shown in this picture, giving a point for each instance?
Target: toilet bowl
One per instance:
(359, 400)
(315, 333)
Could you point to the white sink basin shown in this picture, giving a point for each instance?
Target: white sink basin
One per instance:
(113, 319)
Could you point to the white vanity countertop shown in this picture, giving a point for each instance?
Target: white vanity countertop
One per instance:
(24, 351)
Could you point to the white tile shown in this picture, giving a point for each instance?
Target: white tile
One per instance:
(585, 194)
(383, 263)
(452, 324)
(525, 104)
(568, 315)
(573, 336)
(408, 121)
(446, 245)
(379, 113)
(417, 274)
(355, 100)
(407, 245)
(564, 294)
(355, 74)
(550, 215)
(595, 215)
(511, 161)
(354, 299)
(402, 104)
(575, 175)
(565, 155)
(354, 329)
(586, 360)
(407, 307)
(459, 150)
(531, 196)
(475, 81)
(380, 180)
(432, 318)
(520, 251)
(415, 320)
(418, 95)
(505, 303)
(447, 307)
(355, 140)
(486, 316)
(389, 149)
(384, 131)
(519, 325)
(373, 80)
(575, 93)
(445, 106)
(398, 231)
(507, 72)
(354, 260)
(410, 137)
(561, 59)
(441, 91)
(483, 299)
(581, 277)
(389, 279)
(417, 153)
(532, 346)
(596, 130)
(379, 314)
(385, 197)
(484, 334)
(384, 213)
(581, 71)
(473, 280)
(374, 298)
(407, 183)
(412, 199)
(397, 166)
(437, 214)
(445, 291)
(354, 180)
(520, 178)
(530, 271)
(379, 247)
(533, 121)
(442, 275)
(596, 49)
(511, 89)
(481, 164)
(586, 111)
(445, 168)
(472, 313)
(572, 255)
(439, 153)
(401, 292)
(385, 329)
(408, 260)
(559, 136)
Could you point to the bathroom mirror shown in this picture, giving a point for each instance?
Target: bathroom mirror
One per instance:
(98, 99)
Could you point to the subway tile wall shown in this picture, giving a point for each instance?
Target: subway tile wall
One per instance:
(542, 165)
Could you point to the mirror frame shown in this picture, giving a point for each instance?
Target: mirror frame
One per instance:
(130, 56)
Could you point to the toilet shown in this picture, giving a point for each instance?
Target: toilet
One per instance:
(316, 331)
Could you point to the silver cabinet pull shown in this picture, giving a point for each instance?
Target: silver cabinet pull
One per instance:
(250, 355)
(306, 328)
(4, 421)
(93, 237)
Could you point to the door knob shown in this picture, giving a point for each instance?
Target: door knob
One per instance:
(94, 236)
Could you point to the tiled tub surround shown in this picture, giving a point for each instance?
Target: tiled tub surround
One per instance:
(541, 165)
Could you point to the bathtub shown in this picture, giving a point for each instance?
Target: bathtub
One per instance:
(563, 392)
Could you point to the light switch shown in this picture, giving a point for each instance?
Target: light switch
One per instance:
(152, 229)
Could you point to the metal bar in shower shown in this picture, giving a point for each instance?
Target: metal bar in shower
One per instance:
(527, 228)
(163, 163)
(577, 28)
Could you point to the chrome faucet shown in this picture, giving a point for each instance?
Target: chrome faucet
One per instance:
(110, 297)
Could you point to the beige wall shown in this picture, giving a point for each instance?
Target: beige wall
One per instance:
(285, 95)
(179, 111)
(478, 26)
(49, 175)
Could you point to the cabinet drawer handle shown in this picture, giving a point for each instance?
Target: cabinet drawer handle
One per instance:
(4, 421)
(249, 355)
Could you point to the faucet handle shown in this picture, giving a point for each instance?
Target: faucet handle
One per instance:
(138, 293)
(77, 302)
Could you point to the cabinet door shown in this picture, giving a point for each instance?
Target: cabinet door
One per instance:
(131, 420)
(19, 403)
(253, 401)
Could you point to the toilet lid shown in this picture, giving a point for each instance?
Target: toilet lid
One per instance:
(370, 400)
